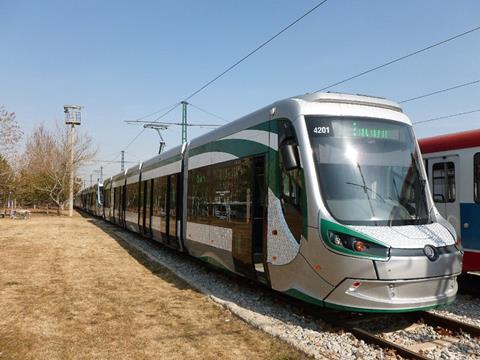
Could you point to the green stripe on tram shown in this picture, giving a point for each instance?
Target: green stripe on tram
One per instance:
(237, 147)
(297, 294)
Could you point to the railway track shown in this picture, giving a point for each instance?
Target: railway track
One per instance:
(366, 326)
(363, 328)
(353, 322)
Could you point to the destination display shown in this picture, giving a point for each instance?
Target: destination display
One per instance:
(355, 128)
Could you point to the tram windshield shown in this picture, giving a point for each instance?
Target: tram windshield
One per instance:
(369, 170)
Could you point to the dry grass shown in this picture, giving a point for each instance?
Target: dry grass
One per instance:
(68, 290)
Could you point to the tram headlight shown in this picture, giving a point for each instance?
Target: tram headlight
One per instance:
(356, 245)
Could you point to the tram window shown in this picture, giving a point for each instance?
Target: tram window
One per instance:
(160, 201)
(132, 197)
(106, 197)
(220, 194)
(476, 177)
(444, 189)
(291, 184)
(117, 199)
(198, 197)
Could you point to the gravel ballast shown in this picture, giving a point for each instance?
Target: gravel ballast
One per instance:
(258, 308)
(465, 308)
(262, 309)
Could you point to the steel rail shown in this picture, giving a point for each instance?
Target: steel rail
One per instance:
(369, 337)
(448, 323)
(386, 344)
(345, 321)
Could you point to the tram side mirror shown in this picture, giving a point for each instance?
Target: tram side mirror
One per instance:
(290, 156)
(438, 198)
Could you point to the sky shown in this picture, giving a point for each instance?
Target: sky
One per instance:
(121, 60)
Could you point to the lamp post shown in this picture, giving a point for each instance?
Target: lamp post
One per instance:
(72, 118)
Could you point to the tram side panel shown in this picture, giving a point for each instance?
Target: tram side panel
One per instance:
(226, 198)
(160, 204)
(291, 215)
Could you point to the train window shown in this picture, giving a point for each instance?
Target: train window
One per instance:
(106, 197)
(220, 192)
(444, 182)
(132, 197)
(476, 177)
(117, 199)
(160, 202)
(198, 198)
(291, 183)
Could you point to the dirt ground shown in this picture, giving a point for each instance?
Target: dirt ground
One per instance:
(69, 290)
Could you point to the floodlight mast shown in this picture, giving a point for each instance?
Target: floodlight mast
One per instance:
(72, 117)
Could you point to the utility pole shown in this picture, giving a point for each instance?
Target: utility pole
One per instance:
(72, 118)
(122, 162)
(184, 121)
(91, 180)
(101, 174)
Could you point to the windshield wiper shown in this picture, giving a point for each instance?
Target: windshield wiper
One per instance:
(365, 187)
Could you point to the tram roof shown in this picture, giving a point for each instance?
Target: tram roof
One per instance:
(459, 140)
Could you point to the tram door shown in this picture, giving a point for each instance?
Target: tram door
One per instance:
(246, 215)
(147, 207)
(443, 182)
(172, 210)
(258, 216)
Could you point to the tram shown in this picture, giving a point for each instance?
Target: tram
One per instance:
(453, 164)
(90, 199)
(322, 196)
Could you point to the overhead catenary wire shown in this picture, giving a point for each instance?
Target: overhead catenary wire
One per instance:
(266, 42)
(416, 52)
(143, 129)
(439, 91)
(108, 161)
(155, 112)
(208, 112)
(447, 116)
(170, 123)
(231, 67)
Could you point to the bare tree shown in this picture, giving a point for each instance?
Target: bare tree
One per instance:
(10, 133)
(46, 166)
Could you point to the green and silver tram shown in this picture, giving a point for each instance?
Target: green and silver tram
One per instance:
(321, 196)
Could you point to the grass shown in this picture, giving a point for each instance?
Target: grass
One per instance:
(68, 290)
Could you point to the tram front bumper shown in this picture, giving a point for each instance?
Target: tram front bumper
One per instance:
(392, 295)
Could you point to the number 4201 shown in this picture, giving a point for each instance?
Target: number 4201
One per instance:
(321, 129)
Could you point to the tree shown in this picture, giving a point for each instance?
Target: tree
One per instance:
(46, 163)
(10, 133)
(7, 183)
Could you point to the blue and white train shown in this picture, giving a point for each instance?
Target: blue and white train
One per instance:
(453, 165)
